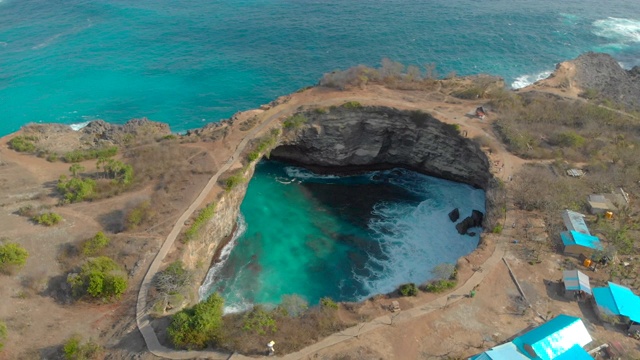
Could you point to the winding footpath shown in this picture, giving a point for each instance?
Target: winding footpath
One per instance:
(143, 319)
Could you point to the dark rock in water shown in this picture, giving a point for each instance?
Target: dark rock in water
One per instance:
(454, 215)
(475, 220)
(477, 217)
(471, 233)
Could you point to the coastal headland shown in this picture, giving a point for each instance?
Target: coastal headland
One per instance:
(183, 199)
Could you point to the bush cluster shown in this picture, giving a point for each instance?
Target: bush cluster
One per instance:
(138, 215)
(295, 121)
(92, 246)
(100, 278)
(203, 216)
(47, 219)
(76, 189)
(121, 173)
(3, 334)
(264, 146)
(233, 181)
(89, 154)
(12, 255)
(75, 349)
(409, 289)
(259, 321)
(352, 105)
(23, 143)
(440, 285)
(328, 303)
(199, 326)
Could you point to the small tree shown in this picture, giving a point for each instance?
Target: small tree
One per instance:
(260, 321)
(3, 334)
(75, 169)
(101, 278)
(75, 349)
(12, 256)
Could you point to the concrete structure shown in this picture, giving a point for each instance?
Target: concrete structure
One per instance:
(601, 203)
(576, 284)
(561, 338)
(617, 303)
(576, 243)
(574, 221)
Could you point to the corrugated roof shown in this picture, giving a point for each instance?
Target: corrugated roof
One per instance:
(554, 337)
(575, 353)
(618, 300)
(507, 351)
(577, 238)
(576, 280)
(575, 221)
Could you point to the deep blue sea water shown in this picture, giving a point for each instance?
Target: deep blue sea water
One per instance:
(191, 62)
(343, 237)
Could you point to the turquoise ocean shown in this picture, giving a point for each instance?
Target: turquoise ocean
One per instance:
(187, 63)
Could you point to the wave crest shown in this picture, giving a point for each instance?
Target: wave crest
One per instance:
(621, 30)
(526, 80)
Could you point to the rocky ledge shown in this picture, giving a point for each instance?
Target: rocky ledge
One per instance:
(347, 139)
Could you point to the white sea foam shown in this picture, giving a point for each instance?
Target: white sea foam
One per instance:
(622, 31)
(526, 80)
(224, 255)
(304, 174)
(78, 126)
(415, 239)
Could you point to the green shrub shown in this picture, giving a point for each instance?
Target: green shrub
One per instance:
(440, 285)
(100, 278)
(259, 321)
(352, 105)
(233, 181)
(409, 289)
(320, 110)
(203, 216)
(76, 189)
(497, 229)
(295, 121)
(95, 244)
(328, 303)
(22, 143)
(74, 349)
(469, 94)
(3, 334)
(53, 157)
(169, 137)
(121, 173)
(90, 154)
(27, 211)
(138, 215)
(47, 219)
(196, 327)
(569, 139)
(253, 156)
(12, 255)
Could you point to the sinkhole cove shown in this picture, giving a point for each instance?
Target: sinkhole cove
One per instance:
(346, 237)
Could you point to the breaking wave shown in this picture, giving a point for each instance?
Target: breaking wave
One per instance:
(622, 31)
(79, 126)
(526, 80)
(212, 275)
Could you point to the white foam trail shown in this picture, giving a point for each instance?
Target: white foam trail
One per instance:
(224, 255)
(78, 126)
(415, 239)
(622, 31)
(304, 174)
(526, 80)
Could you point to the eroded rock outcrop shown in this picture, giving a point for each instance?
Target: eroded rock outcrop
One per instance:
(365, 138)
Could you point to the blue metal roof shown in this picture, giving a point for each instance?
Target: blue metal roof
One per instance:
(576, 280)
(553, 338)
(575, 222)
(506, 351)
(577, 238)
(618, 300)
(575, 353)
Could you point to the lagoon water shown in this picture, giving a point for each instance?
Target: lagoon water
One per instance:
(343, 237)
(191, 62)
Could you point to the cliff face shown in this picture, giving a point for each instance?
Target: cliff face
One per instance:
(602, 72)
(365, 138)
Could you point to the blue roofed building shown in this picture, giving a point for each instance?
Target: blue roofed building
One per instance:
(576, 243)
(617, 302)
(561, 338)
(574, 221)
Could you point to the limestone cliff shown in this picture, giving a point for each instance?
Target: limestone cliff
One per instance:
(363, 138)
